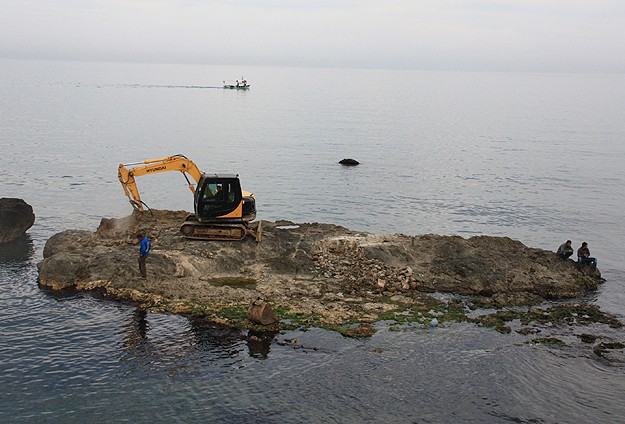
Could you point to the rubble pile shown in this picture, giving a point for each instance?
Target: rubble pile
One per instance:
(345, 261)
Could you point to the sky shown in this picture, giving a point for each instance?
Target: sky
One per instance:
(585, 36)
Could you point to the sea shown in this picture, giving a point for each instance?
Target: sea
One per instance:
(535, 157)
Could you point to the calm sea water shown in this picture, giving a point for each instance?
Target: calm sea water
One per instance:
(538, 158)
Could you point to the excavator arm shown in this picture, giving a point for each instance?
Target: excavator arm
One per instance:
(129, 171)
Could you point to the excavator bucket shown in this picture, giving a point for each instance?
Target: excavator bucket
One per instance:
(256, 232)
(260, 312)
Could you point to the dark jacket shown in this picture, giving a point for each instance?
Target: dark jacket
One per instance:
(583, 252)
(564, 248)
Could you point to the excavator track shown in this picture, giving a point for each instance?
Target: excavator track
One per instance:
(195, 230)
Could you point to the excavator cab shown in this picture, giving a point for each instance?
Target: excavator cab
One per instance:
(218, 198)
(222, 210)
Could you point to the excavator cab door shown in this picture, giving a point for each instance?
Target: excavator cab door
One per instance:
(218, 197)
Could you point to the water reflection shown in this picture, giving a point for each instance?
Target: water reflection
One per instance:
(259, 343)
(211, 336)
(206, 336)
(218, 337)
(135, 332)
(18, 250)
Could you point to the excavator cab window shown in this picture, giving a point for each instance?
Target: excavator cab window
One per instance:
(213, 192)
(217, 196)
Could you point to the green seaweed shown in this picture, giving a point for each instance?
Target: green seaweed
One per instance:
(233, 313)
(357, 331)
(292, 321)
(575, 314)
(497, 320)
(557, 315)
(602, 348)
(422, 312)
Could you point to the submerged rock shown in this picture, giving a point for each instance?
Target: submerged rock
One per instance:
(320, 273)
(16, 216)
(349, 162)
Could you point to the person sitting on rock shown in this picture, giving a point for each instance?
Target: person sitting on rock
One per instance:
(565, 250)
(583, 257)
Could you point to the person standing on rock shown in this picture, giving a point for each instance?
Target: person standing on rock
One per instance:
(144, 251)
(583, 256)
(565, 250)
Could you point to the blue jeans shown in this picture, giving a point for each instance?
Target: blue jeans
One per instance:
(583, 261)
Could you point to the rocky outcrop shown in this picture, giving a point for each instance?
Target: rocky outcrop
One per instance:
(312, 269)
(16, 216)
(500, 270)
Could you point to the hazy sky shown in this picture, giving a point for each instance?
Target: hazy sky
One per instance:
(518, 35)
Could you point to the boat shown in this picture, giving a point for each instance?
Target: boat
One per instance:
(241, 84)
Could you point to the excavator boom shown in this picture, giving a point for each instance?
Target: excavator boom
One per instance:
(127, 173)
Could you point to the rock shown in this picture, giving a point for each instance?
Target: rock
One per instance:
(305, 268)
(63, 270)
(349, 162)
(528, 330)
(611, 351)
(16, 216)
(587, 338)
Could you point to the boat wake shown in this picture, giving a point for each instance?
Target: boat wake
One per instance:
(165, 86)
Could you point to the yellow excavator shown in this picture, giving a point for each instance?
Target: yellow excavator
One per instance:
(222, 211)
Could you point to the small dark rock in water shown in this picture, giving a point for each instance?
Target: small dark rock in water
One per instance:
(587, 338)
(528, 330)
(605, 348)
(16, 216)
(349, 162)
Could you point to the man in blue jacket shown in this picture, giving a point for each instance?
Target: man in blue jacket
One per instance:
(144, 251)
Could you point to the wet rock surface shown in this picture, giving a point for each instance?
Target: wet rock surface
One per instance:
(16, 216)
(312, 273)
